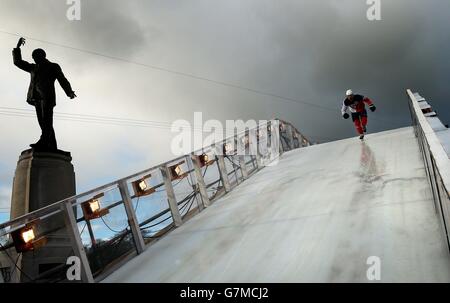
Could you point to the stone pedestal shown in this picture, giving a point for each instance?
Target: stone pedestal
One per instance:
(41, 179)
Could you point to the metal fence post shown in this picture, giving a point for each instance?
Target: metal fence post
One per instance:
(275, 140)
(296, 140)
(254, 146)
(173, 205)
(302, 141)
(290, 137)
(262, 140)
(241, 151)
(281, 127)
(91, 232)
(222, 168)
(132, 219)
(77, 243)
(200, 181)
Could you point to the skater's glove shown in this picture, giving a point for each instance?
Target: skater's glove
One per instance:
(345, 116)
(372, 108)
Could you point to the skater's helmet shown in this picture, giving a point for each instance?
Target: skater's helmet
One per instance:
(349, 92)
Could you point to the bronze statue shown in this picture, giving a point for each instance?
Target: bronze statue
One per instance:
(41, 92)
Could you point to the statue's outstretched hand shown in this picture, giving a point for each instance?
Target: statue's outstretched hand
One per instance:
(72, 95)
(20, 42)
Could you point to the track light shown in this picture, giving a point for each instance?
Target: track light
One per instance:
(245, 140)
(92, 208)
(141, 187)
(205, 160)
(227, 149)
(28, 235)
(260, 134)
(176, 171)
(25, 238)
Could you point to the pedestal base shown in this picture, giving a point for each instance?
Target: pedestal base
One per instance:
(41, 179)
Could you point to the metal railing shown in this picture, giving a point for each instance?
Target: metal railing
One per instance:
(131, 221)
(437, 163)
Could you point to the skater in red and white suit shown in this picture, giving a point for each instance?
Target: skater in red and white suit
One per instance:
(356, 104)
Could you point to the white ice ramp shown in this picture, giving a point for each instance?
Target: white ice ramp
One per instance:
(317, 216)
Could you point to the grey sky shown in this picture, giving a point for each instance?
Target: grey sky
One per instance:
(304, 50)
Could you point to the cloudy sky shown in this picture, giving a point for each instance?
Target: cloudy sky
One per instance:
(132, 60)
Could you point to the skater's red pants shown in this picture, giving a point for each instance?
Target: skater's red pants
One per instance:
(360, 121)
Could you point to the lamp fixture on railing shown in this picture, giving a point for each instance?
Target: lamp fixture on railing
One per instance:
(141, 186)
(92, 208)
(205, 160)
(245, 140)
(25, 238)
(227, 149)
(176, 171)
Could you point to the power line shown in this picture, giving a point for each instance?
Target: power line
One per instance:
(9, 111)
(149, 124)
(184, 74)
(95, 118)
(95, 121)
(107, 120)
(157, 124)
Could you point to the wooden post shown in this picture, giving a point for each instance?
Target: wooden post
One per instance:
(176, 216)
(241, 151)
(254, 146)
(132, 220)
(200, 181)
(91, 232)
(77, 243)
(281, 130)
(290, 137)
(222, 168)
(275, 140)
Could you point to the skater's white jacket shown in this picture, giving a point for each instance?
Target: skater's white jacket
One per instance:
(356, 105)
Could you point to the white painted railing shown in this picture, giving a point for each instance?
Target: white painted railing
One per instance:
(132, 221)
(437, 162)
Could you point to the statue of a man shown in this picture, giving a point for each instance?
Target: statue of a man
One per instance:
(41, 92)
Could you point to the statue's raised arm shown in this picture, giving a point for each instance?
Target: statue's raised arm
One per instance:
(17, 57)
(21, 42)
(41, 91)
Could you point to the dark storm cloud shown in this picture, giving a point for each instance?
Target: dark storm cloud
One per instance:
(106, 26)
(306, 50)
(339, 48)
(382, 57)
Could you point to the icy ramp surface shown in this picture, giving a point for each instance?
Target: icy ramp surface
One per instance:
(317, 216)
